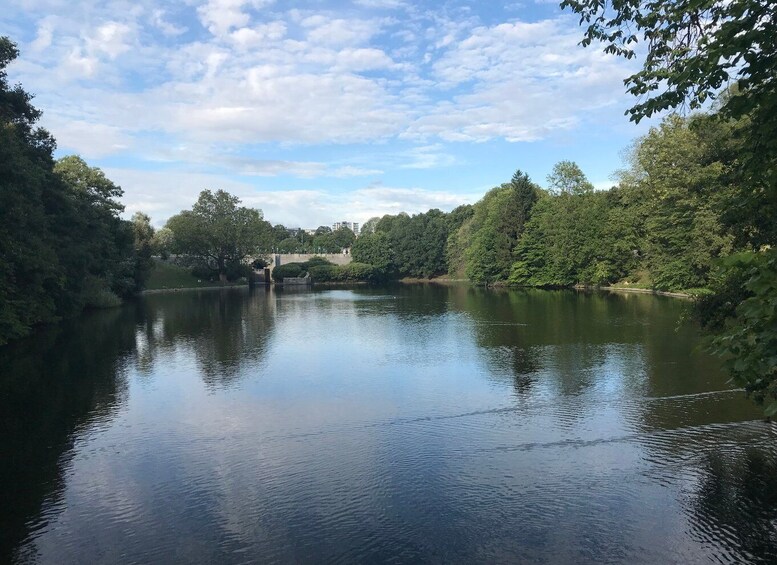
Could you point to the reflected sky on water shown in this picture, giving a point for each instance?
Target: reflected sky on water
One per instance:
(402, 424)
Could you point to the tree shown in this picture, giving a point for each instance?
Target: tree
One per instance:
(567, 178)
(322, 230)
(31, 278)
(369, 225)
(374, 249)
(101, 250)
(496, 227)
(144, 244)
(342, 238)
(218, 234)
(683, 197)
(162, 242)
(694, 49)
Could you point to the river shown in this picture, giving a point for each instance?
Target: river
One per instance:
(406, 424)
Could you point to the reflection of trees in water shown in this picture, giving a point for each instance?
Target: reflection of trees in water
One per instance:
(736, 503)
(52, 385)
(580, 338)
(64, 379)
(225, 330)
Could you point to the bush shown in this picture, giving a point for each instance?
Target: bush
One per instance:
(324, 273)
(96, 294)
(353, 272)
(359, 272)
(289, 270)
(317, 261)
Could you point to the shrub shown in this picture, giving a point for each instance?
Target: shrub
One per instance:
(316, 261)
(324, 273)
(289, 270)
(96, 294)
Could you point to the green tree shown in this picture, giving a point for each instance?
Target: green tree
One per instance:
(218, 234)
(496, 227)
(143, 234)
(31, 277)
(162, 242)
(682, 195)
(567, 178)
(374, 249)
(342, 238)
(694, 49)
(369, 225)
(102, 250)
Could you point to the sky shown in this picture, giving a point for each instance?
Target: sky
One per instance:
(319, 111)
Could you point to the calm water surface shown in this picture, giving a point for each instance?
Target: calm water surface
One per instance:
(409, 424)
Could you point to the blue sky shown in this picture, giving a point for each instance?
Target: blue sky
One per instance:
(316, 111)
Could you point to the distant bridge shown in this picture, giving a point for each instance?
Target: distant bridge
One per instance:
(286, 258)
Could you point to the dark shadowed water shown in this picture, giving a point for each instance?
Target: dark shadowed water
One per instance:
(410, 424)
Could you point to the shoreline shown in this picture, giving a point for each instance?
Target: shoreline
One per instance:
(682, 295)
(409, 280)
(190, 288)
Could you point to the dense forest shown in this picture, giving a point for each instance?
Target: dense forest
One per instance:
(63, 244)
(676, 210)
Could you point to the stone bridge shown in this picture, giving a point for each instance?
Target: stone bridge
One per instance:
(286, 258)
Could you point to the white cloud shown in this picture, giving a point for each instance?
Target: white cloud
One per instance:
(427, 157)
(148, 83)
(111, 39)
(527, 80)
(338, 31)
(164, 193)
(159, 21)
(252, 37)
(88, 139)
(351, 171)
(221, 16)
(44, 35)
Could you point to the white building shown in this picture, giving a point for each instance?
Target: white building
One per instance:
(353, 226)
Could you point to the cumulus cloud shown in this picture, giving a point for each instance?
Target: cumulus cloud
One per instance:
(164, 193)
(198, 85)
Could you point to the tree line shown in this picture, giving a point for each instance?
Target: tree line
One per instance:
(63, 244)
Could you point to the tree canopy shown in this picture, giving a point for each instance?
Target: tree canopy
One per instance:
(63, 245)
(218, 234)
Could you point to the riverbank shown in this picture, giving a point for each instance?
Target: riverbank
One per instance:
(435, 280)
(167, 277)
(683, 295)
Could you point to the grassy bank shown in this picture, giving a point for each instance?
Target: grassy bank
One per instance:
(166, 276)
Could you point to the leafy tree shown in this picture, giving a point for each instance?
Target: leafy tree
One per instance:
(103, 251)
(342, 238)
(567, 178)
(745, 324)
(496, 226)
(63, 245)
(144, 245)
(374, 249)
(31, 277)
(278, 233)
(588, 239)
(289, 245)
(217, 233)
(693, 50)
(369, 225)
(162, 242)
(321, 230)
(682, 194)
